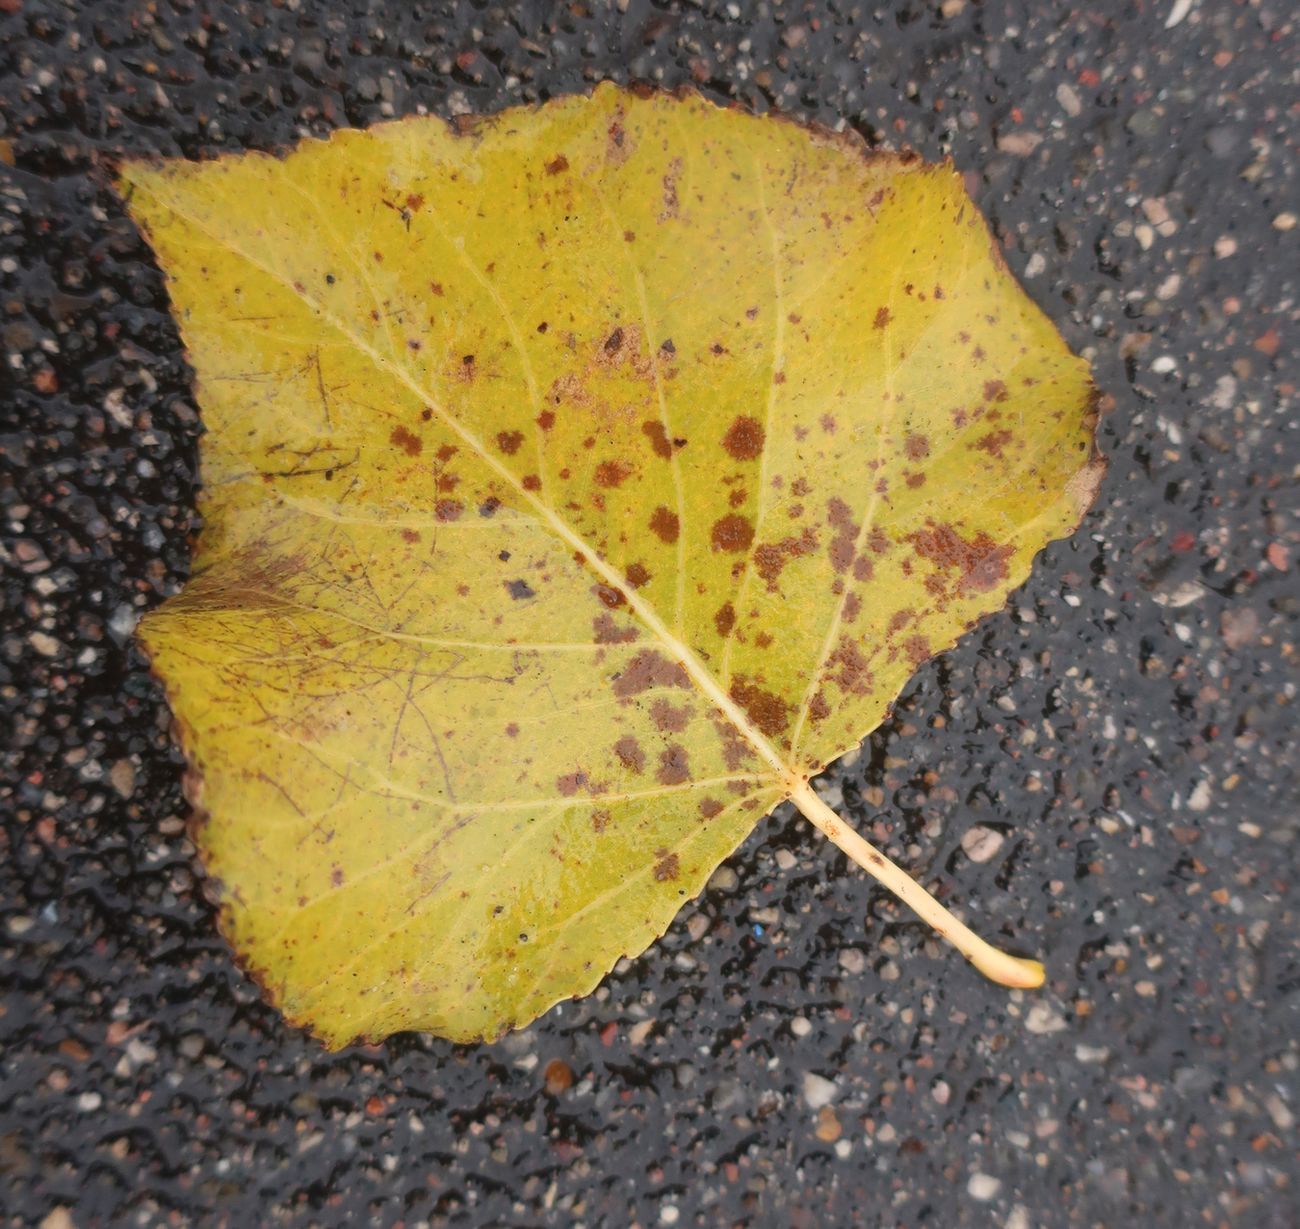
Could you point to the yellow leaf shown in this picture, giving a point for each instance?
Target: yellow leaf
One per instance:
(578, 483)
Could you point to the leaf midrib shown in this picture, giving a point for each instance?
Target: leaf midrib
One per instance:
(711, 687)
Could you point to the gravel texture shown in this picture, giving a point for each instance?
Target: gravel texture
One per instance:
(1105, 774)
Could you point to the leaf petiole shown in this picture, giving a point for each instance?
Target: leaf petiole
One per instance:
(996, 965)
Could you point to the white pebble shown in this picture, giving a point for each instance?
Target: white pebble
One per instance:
(1279, 1112)
(852, 960)
(724, 880)
(983, 1187)
(980, 843)
(1045, 1019)
(45, 644)
(818, 1090)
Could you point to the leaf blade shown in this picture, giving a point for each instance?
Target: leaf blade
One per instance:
(376, 452)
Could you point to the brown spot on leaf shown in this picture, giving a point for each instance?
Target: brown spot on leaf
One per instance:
(546, 420)
(917, 649)
(448, 509)
(980, 563)
(995, 390)
(994, 442)
(509, 441)
(709, 807)
(735, 749)
(724, 619)
(658, 437)
(520, 590)
(818, 709)
(744, 438)
(851, 671)
(883, 317)
(557, 165)
(674, 765)
(840, 516)
(771, 557)
(608, 595)
(646, 670)
(670, 190)
(666, 869)
(916, 446)
(852, 607)
(410, 535)
(410, 444)
(637, 575)
(614, 342)
(532, 483)
(862, 568)
(571, 782)
(609, 632)
(599, 821)
(767, 711)
(665, 524)
(732, 533)
(667, 718)
(612, 473)
(630, 754)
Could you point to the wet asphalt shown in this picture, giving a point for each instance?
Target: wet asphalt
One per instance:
(1103, 775)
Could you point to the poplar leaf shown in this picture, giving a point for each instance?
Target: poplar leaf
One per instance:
(579, 482)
